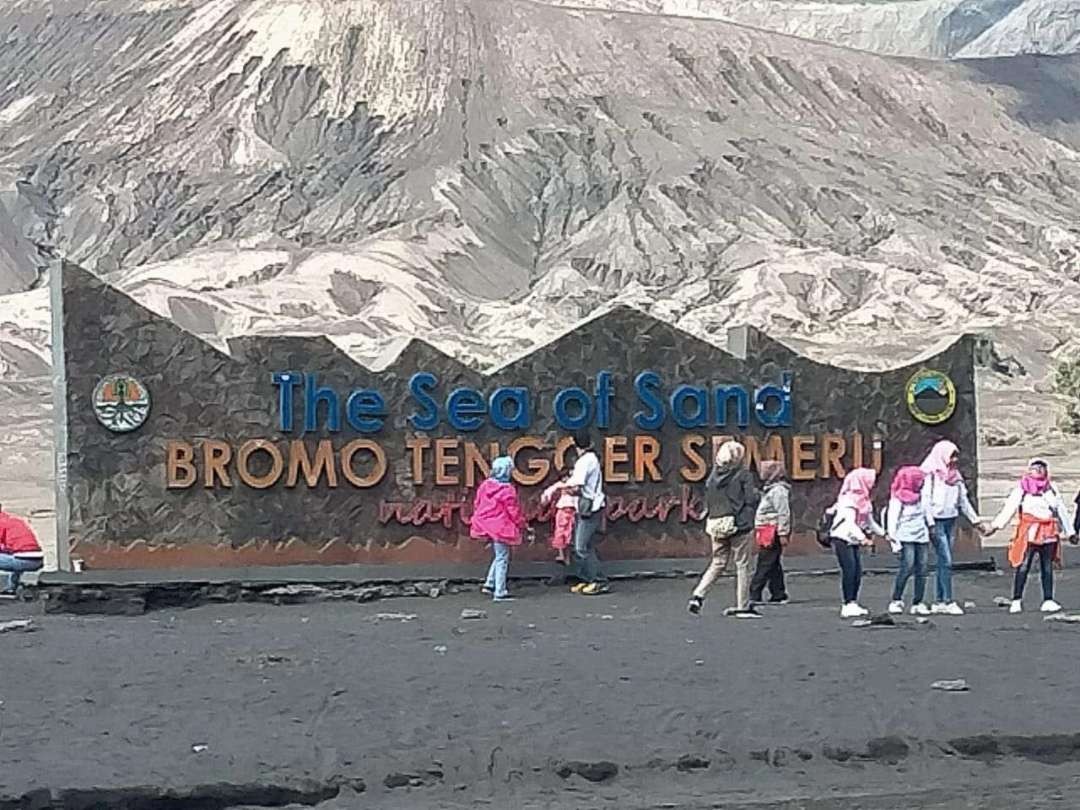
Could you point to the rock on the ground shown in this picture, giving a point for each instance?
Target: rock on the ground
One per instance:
(472, 613)
(18, 626)
(958, 685)
(591, 771)
(883, 620)
(393, 617)
(1068, 618)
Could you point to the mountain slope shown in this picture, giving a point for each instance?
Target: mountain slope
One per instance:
(936, 29)
(485, 172)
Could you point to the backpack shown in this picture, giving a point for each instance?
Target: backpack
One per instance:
(823, 531)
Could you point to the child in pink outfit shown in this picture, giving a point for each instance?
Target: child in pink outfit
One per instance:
(497, 519)
(565, 515)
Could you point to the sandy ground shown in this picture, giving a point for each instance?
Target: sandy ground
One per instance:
(798, 709)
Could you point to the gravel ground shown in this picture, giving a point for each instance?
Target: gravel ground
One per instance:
(529, 705)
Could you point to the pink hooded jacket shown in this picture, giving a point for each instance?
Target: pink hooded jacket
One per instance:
(497, 514)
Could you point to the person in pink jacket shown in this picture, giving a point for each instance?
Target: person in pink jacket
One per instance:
(497, 519)
(565, 513)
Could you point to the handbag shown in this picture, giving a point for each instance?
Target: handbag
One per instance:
(722, 528)
(765, 535)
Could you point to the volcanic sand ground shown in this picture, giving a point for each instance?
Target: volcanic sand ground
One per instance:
(787, 709)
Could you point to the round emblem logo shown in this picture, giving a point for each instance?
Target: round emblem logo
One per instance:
(931, 397)
(121, 403)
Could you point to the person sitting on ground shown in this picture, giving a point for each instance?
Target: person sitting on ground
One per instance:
(908, 526)
(562, 534)
(772, 531)
(20, 552)
(1044, 522)
(497, 518)
(731, 500)
(852, 524)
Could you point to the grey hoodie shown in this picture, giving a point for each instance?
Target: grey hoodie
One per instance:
(775, 507)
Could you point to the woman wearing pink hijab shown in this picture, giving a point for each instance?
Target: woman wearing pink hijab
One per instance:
(908, 523)
(1044, 523)
(852, 523)
(947, 498)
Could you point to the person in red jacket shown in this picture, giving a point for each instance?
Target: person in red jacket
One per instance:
(19, 552)
(497, 519)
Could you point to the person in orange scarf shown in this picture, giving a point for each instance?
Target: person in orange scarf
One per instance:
(1044, 523)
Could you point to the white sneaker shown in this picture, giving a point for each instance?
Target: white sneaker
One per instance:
(862, 611)
(1016, 607)
(920, 610)
(1050, 606)
(896, 608)
(953, 609)
(939, 608)
(851, 611)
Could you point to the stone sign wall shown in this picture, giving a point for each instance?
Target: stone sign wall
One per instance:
(287, 451)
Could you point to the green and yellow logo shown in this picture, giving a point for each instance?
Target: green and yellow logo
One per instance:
(931, 396)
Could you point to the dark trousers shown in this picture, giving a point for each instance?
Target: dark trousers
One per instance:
(850, 559)
(1045, 553)
(769, 571)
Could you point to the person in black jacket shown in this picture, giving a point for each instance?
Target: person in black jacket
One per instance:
(731, 499)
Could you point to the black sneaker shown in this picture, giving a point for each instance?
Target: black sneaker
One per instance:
(782, 601)
(694, 605)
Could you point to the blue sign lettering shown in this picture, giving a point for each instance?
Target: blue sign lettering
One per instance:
(365, 411)
(285, 381)
(722, 396)
(420, 387)
(509, 408)
(313, 395)
(647, 385)
(573, 408)
(698, 399)
(604, 394)
(776, 417)
(518, 398)
(465, 410)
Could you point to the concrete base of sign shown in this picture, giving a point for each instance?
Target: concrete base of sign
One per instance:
(133, 592)
(413, 552)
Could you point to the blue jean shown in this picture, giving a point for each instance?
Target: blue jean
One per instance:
(588, 564)
(500, 565)
(15, 568)
(943, 535)
(850, 559)
(912, 561)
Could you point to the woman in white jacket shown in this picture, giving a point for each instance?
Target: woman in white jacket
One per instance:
(947, 499)
(1044, 523)
(852, 524)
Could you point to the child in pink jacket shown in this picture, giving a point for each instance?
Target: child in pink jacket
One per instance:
(497, 518)
(565, 515)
